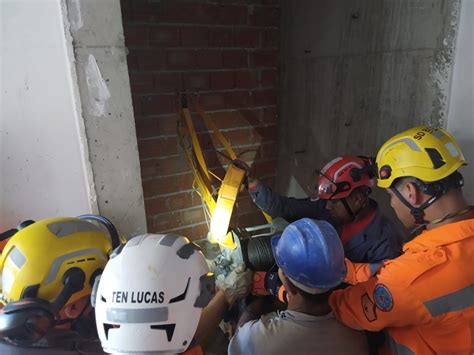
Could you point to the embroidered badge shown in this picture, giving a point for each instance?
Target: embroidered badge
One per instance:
(369, 307)
(383, 298)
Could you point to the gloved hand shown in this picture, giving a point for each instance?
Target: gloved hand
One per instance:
(237, 284)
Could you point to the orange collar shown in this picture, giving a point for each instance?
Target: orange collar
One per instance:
(442, 235)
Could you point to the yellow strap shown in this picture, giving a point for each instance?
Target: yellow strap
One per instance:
(195, 142)
(203, 188)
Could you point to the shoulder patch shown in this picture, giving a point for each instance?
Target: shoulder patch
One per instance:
(383, 298)
(369, 307)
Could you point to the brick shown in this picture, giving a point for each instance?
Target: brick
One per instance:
(243, 136)
(156, 126)
(141, 82)
(168, 82)
(269, 151)
(254, 117)
(246, 79)
(164, 166)
(265, 16)
(229, 119)
(247, 37)
(171, 203)
(233, 15)
(196, 81)
(150, 224)
(181, 59)
(265, 168)
(220, 37)
(157, 147)
(263, 58)
(189, 13)
(194, 36)
(271, 38)
(132, 60)
(164, 222)
(235, 58)
(195, 232)
(270, 115)
(212, 101)
(222, 80)
(192, 216)
(209, 59)
(264, 97)
(268, 77)
(159, 104)
(164, 36)
(150, 59)
(136, 36)
(126, 7)
(167, 185)
(236, 99)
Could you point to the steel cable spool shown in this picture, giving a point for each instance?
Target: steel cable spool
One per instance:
(257, 253)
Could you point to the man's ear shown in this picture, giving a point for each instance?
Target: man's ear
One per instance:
(412, 193)
(289, 287)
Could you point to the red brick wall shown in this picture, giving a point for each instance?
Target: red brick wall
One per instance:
(226, 52)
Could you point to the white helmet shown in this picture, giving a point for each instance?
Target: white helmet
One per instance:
(150, 295)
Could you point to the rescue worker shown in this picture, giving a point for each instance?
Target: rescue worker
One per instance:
(424, 298)
(343, 187)
(154, 294)
(311, 263)
(48, 268)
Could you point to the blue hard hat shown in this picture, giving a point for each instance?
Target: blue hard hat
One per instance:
(310, 253)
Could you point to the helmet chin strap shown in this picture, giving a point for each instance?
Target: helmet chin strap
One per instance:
(417, 212)
(435, 190)
(350, 211)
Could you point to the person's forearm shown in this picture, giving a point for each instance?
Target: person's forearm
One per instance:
(211, 316)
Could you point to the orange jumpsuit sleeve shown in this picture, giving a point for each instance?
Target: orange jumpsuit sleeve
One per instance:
(376, 304)
(360, 272)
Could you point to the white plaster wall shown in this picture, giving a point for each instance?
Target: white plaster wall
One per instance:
(461, 109)
(43, 170)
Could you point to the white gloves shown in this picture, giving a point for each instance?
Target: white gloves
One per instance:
(237, 284)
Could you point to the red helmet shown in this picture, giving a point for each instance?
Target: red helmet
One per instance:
(342, 175)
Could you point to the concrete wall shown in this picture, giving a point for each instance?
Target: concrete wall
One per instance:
(461, 107)
(227, 54)
(97, 32)
(44, 168)
(68, 141)
(353, 73)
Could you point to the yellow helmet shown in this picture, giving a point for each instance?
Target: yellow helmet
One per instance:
(427, 153)
(37, 257)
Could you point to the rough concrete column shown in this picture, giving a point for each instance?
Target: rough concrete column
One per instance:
(100, 54)
(461, 107)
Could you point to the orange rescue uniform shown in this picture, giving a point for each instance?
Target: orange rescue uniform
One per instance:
(424, 298)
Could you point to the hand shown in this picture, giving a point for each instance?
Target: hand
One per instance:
(237, 284)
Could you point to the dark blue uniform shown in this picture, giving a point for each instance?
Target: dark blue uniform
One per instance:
(378, 241)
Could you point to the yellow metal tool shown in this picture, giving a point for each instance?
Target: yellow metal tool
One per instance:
(219, 202)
